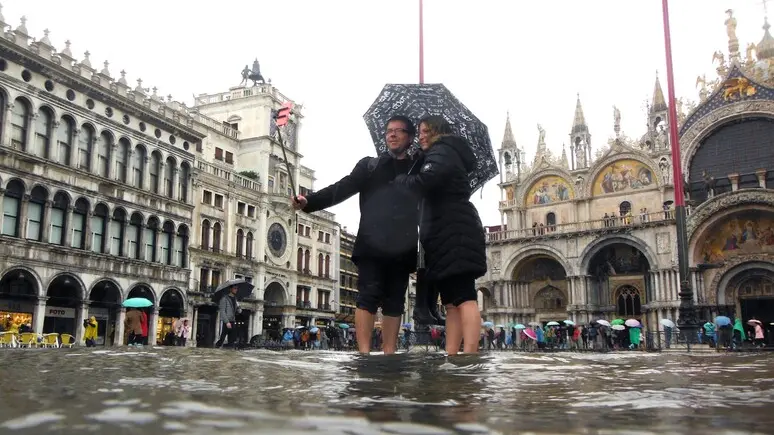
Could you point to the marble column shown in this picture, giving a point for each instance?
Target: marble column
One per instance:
(119, 337)
(194, 327)
(45, 229)
(153, 326)
(83, 314)
(39, 315)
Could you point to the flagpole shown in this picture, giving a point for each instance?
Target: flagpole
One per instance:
(421, 45)
(687, 319)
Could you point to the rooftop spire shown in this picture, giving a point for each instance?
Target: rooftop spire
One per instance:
(579, 121)
(765, 48)
(659, 102)
(508, 139)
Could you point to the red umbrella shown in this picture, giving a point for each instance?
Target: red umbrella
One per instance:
(530, 333)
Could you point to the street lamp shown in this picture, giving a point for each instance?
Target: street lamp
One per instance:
(687, 321)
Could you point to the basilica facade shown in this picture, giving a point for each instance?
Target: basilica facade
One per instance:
(591, 234)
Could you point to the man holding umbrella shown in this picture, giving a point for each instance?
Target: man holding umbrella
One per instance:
(226, 296)
(386, 245)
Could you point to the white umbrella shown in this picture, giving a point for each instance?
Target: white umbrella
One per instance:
(534, 323)
(618, 327)
(569, 322)
(633, 323)
(603, 322)
(668, 323)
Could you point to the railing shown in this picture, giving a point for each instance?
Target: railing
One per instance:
(241, 181)
(324, 307)
(306, 172)
(609, 223)
(204, 288)
(245, 92)
(215, 125)
(325, 215)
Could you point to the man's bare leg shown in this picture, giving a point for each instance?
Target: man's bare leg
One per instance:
(390, 328)
(364, 327)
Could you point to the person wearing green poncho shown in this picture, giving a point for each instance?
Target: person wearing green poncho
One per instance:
(739, 335)
(634, 338)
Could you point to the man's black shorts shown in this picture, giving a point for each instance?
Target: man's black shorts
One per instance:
(382, 283)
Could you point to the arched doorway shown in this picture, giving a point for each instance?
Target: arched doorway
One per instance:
(171, 308)
(143, 291)
(65, 295)
(274, 301)
(484, 301)
(104, 305)
(615, 269)
(18, 295)
(747, 292)
(541, 284)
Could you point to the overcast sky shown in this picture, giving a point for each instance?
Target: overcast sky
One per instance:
(527, 57)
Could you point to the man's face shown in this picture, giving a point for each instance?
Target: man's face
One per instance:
(398, 138)
(234, 290)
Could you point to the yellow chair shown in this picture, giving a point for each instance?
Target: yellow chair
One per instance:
(50, 340)
(67, 340)
(7, 339)
(28, 339)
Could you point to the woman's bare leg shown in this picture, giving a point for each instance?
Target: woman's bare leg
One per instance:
(453, 330)
(470, 318)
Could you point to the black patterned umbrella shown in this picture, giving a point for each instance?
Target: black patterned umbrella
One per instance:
(419, 100)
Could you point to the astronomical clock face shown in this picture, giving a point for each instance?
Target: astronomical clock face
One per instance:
(277, 240)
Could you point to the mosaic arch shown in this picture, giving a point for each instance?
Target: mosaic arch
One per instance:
(740, 233)
(743, 281)
(621, 244)
(539, 267)
(626, 175)
(274, 295)
(548, 190)
(515, 261)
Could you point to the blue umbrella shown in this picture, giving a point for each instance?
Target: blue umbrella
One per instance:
(722, 321)
(137, 303)
(488, 324)
(314, 330)
(343, 326)
(520, 326)
(407, 325)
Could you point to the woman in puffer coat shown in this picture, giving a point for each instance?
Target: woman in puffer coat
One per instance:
(450, 229)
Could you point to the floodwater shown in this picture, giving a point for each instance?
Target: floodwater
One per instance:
(204, 391)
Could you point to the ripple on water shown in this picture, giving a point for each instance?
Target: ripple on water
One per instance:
(32, 420)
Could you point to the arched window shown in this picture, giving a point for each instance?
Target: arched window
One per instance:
(154, 170)
(307, 261)
(206, 235)
(181, 245)
(167, 242)
(43, 128)
(104, 143)
(149, 239)
(12, 208)
(185, 173)
(122, 160)
(80, 214)
(624, 208)
(300, 260)
(320, 265)
(240, 242)
(85, 142)
(138, 166)
(327, 266)
(35, 209)
(249, 245)
(628, 301)
(169, 177)
(20, 118)
(64, 136)
(117, 232)
(58, 228)
(551, 221)
(98, 224)
(216, 229)
(133, 233)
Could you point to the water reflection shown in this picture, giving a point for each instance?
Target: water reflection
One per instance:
(180, 390)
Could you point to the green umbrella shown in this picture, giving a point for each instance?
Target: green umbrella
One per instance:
(520, 326)
(137, 303)
(618, 322)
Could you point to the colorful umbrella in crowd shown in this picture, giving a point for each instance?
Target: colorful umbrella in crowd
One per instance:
(632, 323)
(618, 327)
(618, 322)
(667, 323)
(137, 303)
(244, 289)
(569, 322)
(603, 322)
(552, 324)
(343, 326)
(530, 333)
(520, 326)
(722, 321)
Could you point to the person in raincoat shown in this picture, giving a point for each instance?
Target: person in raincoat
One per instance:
(739, 335)
(634, 338)
(90, 333)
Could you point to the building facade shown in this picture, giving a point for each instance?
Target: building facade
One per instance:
(347, 279)
(590, 235)
(111, 192)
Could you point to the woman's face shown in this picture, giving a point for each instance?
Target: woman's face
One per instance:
(425, 136)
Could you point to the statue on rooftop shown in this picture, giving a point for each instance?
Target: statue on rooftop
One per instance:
(255, 74)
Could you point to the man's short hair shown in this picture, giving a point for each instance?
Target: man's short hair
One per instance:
(411, 129)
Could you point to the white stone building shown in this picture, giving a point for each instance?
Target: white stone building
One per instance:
(593, 235)
(104, 187)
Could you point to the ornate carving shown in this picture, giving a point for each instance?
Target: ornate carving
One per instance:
(712, 291)
(704, 211)
(691, 138)
(496, 261)
(663, 243)
(738, 88)
(572, 247)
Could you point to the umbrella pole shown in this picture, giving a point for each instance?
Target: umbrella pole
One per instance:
(421, 45)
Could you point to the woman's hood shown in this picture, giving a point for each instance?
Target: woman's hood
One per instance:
(462, 147)
(93, 319)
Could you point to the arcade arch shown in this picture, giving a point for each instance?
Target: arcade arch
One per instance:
(274, 302)
(19, 290)
(104, 306)
(65, 293)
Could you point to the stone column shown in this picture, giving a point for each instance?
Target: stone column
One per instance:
(23, 217)
(734, 181)
(124, 238)
(119, 337)
(760, 173)
(145, 184)
(53, 144)
(6, 126)
(68, 225)
(88, 237)
(83, 314)
(45, 229)
(2, 195)
(30, 133)
(112, 175)
(75, 153)
(153, 326)
(39, 314)
(175, 183)
(194, 327)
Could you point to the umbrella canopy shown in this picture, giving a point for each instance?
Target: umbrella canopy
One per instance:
(487, 324)
(668, 323)
(534, 323)
(552, 323)
(520, 326)
(753, 322)
(603, 322)
(343, 326)
(530, 333)
(722, 321)
(632, 323)
(244, 289)
(618, 322)
(618, 327)
(416, 101)
(137, 303)
(314, 330)
(569, 322)
(499, 326)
